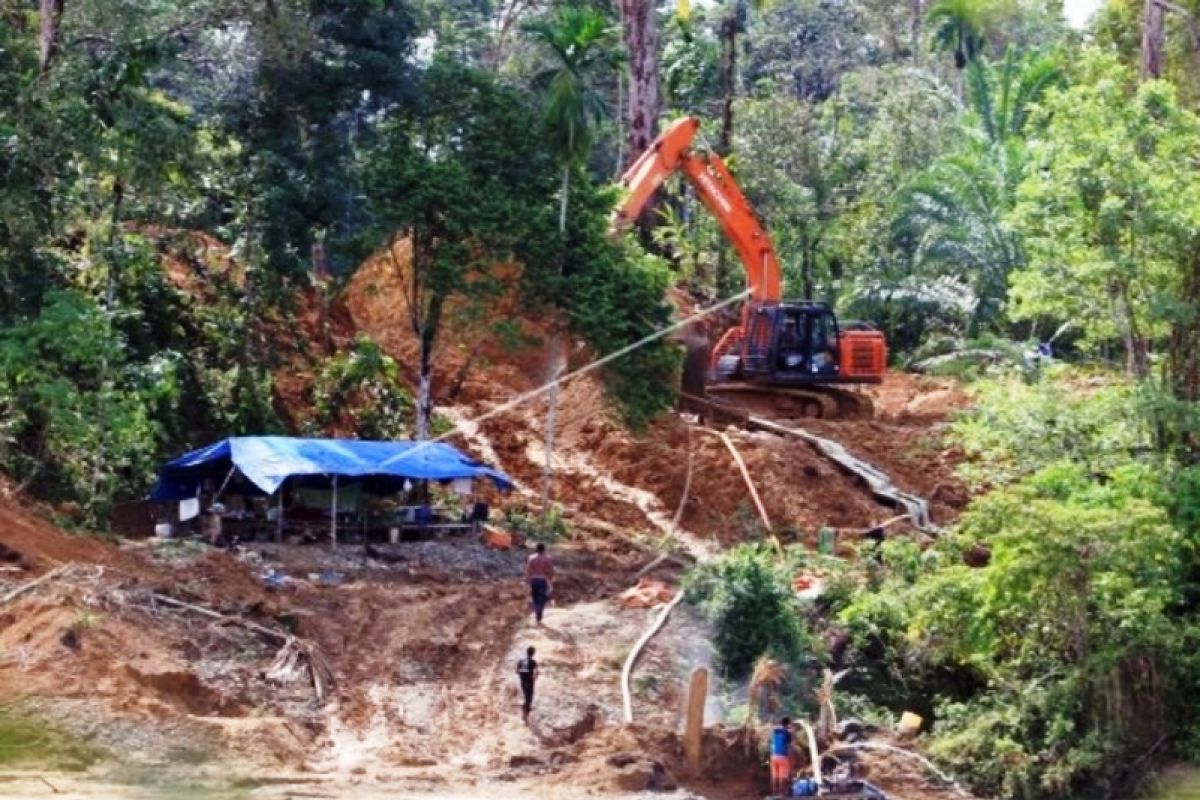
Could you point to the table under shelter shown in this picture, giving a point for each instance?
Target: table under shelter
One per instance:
(282, 486)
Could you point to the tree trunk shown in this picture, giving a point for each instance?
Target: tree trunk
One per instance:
(728, 35)
(809, 266)
(320, 276)
(554, 363)
(644, 103)
(918, 19)
(1153, 36)
(1136, 357)
(641, 41)
(1183, 356)
(50, 12)
(424, 381)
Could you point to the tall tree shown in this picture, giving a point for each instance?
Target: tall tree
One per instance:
(640, 27)
(958, 26)
(459, 184)
(1111, 216)
(579, 45)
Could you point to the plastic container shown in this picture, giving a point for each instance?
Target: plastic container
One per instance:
(804, 787)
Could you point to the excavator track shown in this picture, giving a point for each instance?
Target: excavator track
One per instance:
(792, 402)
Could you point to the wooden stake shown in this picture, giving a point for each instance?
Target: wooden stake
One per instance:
(697, 697)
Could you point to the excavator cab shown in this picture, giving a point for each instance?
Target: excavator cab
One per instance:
(806, 341)
(801, 343)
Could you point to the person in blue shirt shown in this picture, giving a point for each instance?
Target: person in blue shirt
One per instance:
(781, 758)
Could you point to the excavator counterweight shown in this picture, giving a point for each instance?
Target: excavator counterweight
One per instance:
(785, 357)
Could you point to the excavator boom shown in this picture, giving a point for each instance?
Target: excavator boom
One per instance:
(672, 152)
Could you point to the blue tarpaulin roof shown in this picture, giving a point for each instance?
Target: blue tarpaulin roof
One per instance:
(267, 461)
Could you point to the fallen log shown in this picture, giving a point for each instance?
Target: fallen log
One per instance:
(33, 584)
(262, 630)
(295, 658)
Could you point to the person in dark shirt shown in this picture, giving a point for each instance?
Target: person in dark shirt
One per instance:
(781, 758)
(527, 672)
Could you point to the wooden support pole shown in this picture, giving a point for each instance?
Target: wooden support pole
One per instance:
(333, 514)
(697, 698)
(279, 517)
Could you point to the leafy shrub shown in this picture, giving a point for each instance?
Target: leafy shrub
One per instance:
(1015, 427)
(548, 527)
(362, 389)
(79, 418)
(749, 600)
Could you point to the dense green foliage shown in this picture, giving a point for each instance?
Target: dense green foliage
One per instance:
(303, 136)
(1059, 662)
(748, 598)
(361, 390)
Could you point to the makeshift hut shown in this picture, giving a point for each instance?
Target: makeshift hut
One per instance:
(245, 479)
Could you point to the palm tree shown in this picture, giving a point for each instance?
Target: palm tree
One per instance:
(579, 45)
(958, 25)
(1002, 97)
(956, 211)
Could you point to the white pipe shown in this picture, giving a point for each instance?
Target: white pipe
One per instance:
(954, 784)
(627, 670)
(812, 753)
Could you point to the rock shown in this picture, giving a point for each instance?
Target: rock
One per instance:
(661, 780)
(566, 723)
(526, 760)
(620, 760)
(641, 776)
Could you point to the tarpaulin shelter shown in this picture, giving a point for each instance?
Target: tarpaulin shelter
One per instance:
(268, 461)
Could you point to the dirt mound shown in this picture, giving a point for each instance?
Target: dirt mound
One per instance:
(29, 541)
(486, 348)
(911, 398)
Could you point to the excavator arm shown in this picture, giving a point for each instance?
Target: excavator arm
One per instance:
(672, 152)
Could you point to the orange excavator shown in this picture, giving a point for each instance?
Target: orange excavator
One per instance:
(786, 357)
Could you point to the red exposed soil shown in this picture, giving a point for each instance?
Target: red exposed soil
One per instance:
(28, 540)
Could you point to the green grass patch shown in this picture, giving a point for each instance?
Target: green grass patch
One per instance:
(26, 741)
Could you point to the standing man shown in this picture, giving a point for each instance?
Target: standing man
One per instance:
(781, 758)
(539, 571)
(527, 671)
